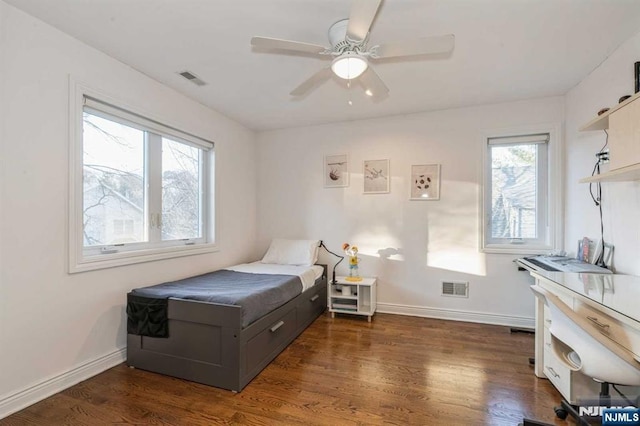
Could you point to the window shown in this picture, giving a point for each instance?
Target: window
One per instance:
(141, 189)
(517, 213)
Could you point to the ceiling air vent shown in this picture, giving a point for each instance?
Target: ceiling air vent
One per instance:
(455, 288)
(192, 78)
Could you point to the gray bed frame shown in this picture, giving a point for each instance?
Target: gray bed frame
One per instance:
(207, 343)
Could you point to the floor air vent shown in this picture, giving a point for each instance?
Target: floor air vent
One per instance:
(455, 288)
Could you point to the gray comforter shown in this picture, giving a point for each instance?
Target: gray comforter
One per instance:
(256, 294)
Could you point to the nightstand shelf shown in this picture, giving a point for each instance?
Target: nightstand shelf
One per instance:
(352, 297)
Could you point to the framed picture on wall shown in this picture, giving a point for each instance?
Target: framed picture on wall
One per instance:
(425, 182)
(336, 171)
(376, 176)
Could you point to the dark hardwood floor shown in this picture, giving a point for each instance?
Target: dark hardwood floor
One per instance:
(343, 371)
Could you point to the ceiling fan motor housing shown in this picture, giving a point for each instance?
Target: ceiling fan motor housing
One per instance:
(339, 40)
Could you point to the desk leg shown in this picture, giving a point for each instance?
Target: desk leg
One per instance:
(539, 338)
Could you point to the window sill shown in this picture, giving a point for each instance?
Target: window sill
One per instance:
(519, 249)
(104, 261)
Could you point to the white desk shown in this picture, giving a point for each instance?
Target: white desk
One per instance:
(611, 303)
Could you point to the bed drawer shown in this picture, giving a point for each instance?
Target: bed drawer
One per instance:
(272, 339)
(312, 304)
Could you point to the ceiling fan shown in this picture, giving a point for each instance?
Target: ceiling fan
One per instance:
(350, 52)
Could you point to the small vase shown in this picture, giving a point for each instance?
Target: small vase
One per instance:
(354, 274)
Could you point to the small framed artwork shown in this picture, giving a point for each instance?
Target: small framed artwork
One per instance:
(336, 171)
(376, 176)
(425, 182)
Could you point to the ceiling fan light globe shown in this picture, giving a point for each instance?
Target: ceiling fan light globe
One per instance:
(349, 66)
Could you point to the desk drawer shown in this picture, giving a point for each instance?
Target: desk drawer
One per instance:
(562, 293)
(547, 317)
(557, 372)
(571, 384)
(568, 300)
(547, 339)
(620, 333)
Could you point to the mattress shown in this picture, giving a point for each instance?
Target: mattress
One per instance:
(257, 288)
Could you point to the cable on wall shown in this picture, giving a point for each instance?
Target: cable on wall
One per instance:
(596, 196)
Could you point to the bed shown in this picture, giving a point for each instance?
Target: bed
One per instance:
(224, 340)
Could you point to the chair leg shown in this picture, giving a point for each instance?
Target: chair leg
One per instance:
(571, 410)
(605, 396)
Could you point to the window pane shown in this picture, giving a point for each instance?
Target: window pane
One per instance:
(513, 191)
(113, 182)
(180, 190)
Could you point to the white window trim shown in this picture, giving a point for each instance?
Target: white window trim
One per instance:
(542, 212)
(555, 187)
(77, 260)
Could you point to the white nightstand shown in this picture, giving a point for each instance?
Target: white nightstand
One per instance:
(349, 297)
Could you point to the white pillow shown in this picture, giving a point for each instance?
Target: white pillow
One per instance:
(292, 252)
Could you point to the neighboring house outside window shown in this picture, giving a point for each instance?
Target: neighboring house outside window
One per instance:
(142, 189)
(519, 205)
(123, 227)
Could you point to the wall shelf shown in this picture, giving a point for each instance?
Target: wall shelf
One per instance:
(619, 175)
(601, 122)
(623, 123)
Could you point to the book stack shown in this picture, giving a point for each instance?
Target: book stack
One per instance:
(345, 304)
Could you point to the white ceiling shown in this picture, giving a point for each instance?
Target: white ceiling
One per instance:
(505, 50)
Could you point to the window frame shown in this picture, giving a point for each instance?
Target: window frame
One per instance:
(552, 209)
(81, 259)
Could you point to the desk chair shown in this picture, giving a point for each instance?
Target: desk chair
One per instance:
(589, 352)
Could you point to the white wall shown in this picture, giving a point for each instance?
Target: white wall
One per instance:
(602, 88)
(435, 240)
(52, 323)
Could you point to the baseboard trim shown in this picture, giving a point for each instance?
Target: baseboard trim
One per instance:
(456, 315)
(53, 385)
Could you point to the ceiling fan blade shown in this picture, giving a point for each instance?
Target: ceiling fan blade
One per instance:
(312, 82)
(295, 46)
(373, 84)
(361, 18)
(420, 46)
